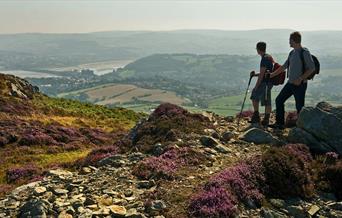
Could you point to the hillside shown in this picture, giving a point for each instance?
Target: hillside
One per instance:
(37, 50)
(174, 163)
(197, 82)
(50, 132)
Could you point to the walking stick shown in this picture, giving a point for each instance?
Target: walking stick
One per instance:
(267, 80)
(243, 103)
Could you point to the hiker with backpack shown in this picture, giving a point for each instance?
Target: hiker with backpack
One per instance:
(262, 90)
(301, 66)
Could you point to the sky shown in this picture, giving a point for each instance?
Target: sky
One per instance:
(76, 16)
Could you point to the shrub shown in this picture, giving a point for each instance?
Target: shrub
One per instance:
(213, 202)
(167, 164)
(96, 136)
(35, 137)
(164, 125)
(291, 119)
(301, 151)
(16, 175)
(98, 154)
(287, 173)
(331, 158)
(3, 141)
(5, 188)
(241, 181)
(334, 176)
(169, 110)
(245, 114)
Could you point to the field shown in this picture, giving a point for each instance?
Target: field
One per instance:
(119, 94)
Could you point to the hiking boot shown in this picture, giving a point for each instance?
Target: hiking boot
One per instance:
(266, 120)
(277, 126)
(255, 118)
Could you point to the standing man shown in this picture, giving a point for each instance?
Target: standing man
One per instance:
(262, 90)
(298, 72)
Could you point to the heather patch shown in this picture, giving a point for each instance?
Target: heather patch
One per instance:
(96, 155)
(213, 202)
(279, 172)
(287, 171)
(19, 174)
(243, 181)
(291, 119)
(245, 114)
(167, 123)
(166, 165)
(333, 173)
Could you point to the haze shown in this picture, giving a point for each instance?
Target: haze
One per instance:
(91, 16)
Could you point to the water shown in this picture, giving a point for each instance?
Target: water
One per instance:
(26, 74)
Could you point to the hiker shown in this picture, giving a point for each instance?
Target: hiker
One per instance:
(262, 90)
(298, 72)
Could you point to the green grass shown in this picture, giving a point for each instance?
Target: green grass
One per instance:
(36, 155)
(111, 117)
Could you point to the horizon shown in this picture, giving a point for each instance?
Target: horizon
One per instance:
(51, 16)
(175, 30)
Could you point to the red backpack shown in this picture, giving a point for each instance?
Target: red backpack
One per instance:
(280, 78)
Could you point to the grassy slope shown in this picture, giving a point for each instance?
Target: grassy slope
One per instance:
(68, 113)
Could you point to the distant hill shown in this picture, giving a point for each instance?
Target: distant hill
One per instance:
(36, 50)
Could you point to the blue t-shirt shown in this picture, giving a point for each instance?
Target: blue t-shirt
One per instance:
(266, 61)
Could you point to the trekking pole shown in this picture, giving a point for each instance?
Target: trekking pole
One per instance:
(267, 80)
(243, 103)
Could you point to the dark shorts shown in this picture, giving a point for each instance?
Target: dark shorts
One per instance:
(260, 94)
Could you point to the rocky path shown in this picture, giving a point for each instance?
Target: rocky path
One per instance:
(111, 190)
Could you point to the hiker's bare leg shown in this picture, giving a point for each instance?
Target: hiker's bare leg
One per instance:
(255, 118)
(255, 105)
(268, 109)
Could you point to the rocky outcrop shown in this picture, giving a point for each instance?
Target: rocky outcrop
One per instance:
(259, 136)
(14, 86)
(320, 128)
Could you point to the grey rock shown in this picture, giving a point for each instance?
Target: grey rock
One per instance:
(60, 172)
(132, 213)
(268, 213)
(336, 206)
(128, 192)
(298, 135)
(259, 136)
(313, 210)
(33, 208)
(229, 119)
(297, 211)
(222, 149)
(60, 191)
(86, 170)
(227, 136)
(158, 149)
(39, 190)
(279, 203)
(118, 211)
(323, 122)
(209, 141)
(136, 156)
(215, 135)
(89, 201)
(146, 184)
(114, 161)
(335, 214)
(158, 205)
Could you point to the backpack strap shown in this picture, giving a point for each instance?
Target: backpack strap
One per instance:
(288, 61)
(303, 60)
